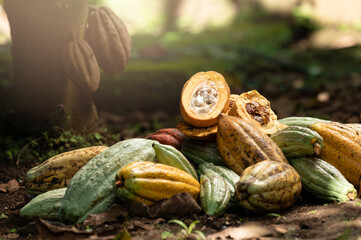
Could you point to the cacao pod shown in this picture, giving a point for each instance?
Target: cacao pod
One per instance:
(109, 37)
(149, 182)
(215, 193)
(170, 156)
(168, 136)
(80, 65)
(201, 151)
(296, 141)
(323, 180)
(256, 109)
(57, 171)
(92, 189)
(203, 97)
(201, 133)
(341, 148)
(301, 121)
(45, 205)
(242, 144)
(268, 186)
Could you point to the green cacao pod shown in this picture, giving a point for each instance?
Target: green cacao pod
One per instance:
(200, 151)
(169, 155)
(296, 141)
(45, 205)
(81, 65)
(268, 186)
(214, 193)
(230, 176)
(108, 36)
(323, 180)
(149, 182)
(241, 144)
(300, 121)
(92, 188)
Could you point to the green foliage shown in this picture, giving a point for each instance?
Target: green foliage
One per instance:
(188, 230)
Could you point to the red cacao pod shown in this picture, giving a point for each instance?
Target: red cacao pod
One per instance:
(108, 36)
(169, 136)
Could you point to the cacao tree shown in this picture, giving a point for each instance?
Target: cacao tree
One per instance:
(43, 82)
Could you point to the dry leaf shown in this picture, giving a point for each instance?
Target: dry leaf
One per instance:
(11, 186)
(56, 230)
(111, 215)
(178, 205)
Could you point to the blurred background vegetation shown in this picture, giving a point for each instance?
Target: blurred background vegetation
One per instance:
(303, 55)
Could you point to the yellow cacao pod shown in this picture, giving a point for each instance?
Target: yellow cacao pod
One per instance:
(241, 144)
(341, 148)
(149, 182)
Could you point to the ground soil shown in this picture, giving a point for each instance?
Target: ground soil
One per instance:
(307, 219)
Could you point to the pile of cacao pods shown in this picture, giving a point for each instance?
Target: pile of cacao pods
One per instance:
(229, 152)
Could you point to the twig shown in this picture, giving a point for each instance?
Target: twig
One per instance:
(23, 149)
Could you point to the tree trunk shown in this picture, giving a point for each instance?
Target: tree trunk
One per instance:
(39, 31)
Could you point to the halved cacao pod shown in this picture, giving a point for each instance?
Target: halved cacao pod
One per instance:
(268, 186)
(241, 144)
(80, 65)
(255, 108)
(204, 96)
(109, 38)
(169, 136)
(232, 101)
(206, 133)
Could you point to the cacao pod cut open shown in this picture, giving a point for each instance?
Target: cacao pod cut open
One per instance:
(204, 96)
(268, 186)
(255, 108)
(169, 136)
(241, 144)
(148, 182)
(231, 102)
(108, 36)
(206, 133)
(80, 65)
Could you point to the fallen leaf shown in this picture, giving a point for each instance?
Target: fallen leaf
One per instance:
(111, 215)
(178, 205)
(147, 224)
(57, 230)
(246, 231)
(11, 186)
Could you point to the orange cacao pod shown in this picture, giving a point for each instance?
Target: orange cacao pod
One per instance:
(80, 65)
(108, 36)
(168, 136)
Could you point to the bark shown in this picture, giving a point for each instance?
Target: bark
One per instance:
(39, 30)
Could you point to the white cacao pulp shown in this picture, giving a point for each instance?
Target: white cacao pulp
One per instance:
(204, 98)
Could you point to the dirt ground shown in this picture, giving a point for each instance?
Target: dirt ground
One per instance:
(307, 219)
